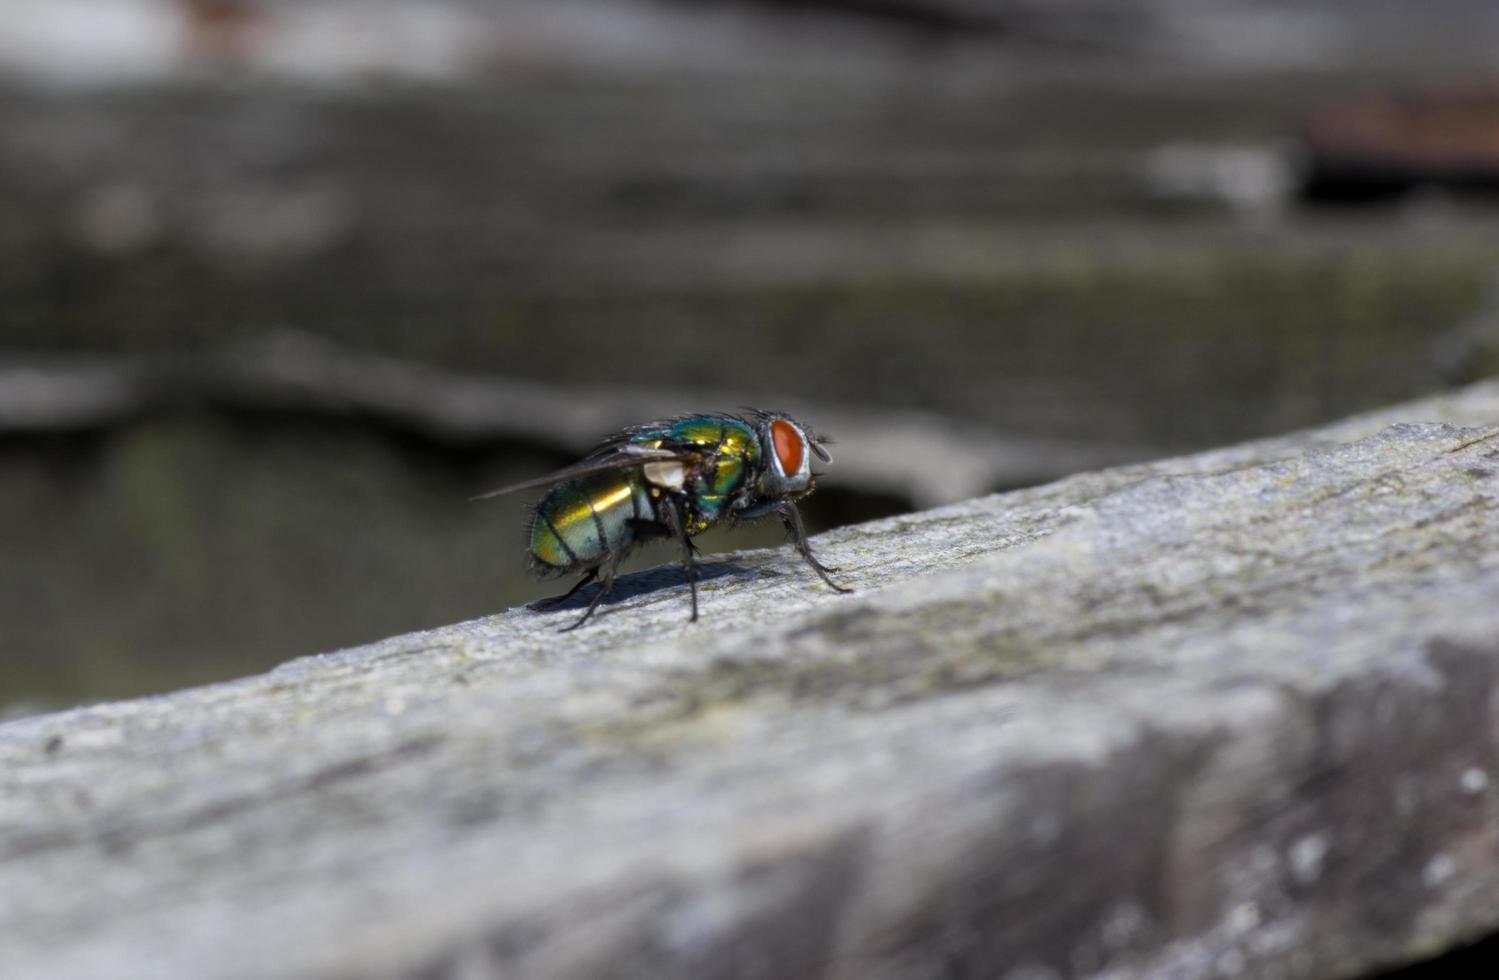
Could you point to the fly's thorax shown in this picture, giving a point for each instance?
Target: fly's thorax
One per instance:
(722, 435)
(722, 471)
(581, 522)
(705, 511)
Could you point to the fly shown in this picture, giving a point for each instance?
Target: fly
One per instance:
(670, 479)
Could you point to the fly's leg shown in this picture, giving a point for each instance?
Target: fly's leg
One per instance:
(678, 527)
(793, 522)
(606, 582)
(656, 529)
(552, 602)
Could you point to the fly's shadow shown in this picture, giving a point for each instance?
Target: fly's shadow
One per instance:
(636, 584)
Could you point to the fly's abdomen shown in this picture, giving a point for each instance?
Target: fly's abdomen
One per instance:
(581, 522)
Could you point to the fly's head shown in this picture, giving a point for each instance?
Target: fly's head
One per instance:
(787, 446)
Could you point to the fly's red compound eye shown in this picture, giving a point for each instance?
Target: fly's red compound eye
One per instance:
(789, 446)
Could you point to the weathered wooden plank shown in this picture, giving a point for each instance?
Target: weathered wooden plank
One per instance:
(1227, 713)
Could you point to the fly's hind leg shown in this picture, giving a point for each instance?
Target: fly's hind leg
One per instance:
(606, 582)
(552, 602)
(793, 522)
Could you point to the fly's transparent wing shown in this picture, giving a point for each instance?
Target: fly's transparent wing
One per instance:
(624, 458)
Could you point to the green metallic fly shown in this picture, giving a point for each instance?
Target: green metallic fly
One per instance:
(670, 479)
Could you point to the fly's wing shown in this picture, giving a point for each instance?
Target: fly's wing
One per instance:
(622, 457)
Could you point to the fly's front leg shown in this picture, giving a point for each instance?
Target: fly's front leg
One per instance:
(678, 525)
(793, 522)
